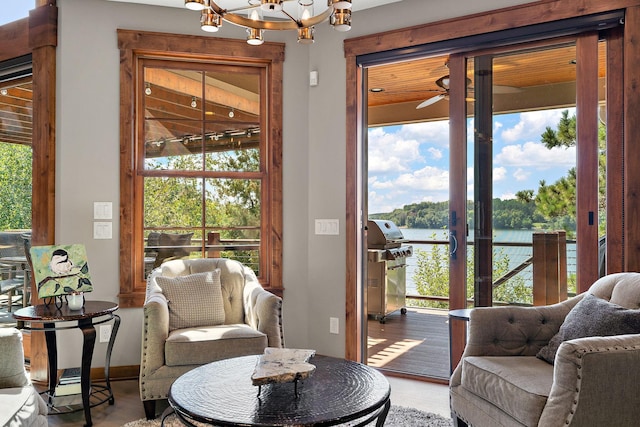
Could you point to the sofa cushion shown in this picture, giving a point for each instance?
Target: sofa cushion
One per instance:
(197, 346)
(592, 317)
(22, 406)
(518, 385)
(194, 299)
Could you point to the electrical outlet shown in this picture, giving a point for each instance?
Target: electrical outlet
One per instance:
(105, 333)
(334, 325)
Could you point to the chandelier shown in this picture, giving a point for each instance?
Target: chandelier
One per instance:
(260, 15)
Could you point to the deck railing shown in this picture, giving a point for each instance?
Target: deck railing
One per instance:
(545, 264)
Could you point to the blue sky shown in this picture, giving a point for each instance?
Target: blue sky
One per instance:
(12, 10)
(410, 163)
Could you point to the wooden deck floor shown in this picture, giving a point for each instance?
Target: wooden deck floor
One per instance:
(414, 344)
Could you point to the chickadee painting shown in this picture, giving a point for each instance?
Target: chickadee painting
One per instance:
(60, 263)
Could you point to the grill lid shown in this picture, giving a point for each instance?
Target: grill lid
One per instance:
(383, 234)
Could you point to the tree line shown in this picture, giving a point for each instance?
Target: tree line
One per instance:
(511, 214)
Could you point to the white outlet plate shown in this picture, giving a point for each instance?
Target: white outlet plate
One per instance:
(105, 333)
(334, 325)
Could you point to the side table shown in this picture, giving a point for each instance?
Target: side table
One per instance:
(459, 314)
(53, 319)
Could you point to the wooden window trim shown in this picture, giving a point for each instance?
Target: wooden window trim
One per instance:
(136, 44)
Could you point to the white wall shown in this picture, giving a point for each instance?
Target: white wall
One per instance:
(87, 161)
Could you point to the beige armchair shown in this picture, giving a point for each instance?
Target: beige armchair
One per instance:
(593, 380)
(173, 342)
(20, 403)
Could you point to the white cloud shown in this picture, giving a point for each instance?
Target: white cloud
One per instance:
(425, 179)
(532, 124)
(435, 153)
(389, 152)
(507, 196)
(435, 133)
(521, 174)
(499, 174)
(535, 155)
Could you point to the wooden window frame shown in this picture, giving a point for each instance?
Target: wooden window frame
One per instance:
(135, 45)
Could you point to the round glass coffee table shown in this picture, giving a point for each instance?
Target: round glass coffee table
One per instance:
(222, 394)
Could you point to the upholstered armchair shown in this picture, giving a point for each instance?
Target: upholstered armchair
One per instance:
(198, 311)
(20, 403)
(505, 377)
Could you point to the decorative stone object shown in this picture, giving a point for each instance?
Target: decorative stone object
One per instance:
(283, 365)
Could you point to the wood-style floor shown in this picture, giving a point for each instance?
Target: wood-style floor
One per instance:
(415, 344)
(127, 407)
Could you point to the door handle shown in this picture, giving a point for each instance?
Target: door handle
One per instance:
(453, 244)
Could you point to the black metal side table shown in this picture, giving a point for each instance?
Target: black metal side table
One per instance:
(53, 319)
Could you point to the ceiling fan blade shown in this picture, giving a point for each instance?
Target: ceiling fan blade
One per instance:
(430, 101)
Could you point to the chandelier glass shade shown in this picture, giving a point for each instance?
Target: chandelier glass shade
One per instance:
(260, 15)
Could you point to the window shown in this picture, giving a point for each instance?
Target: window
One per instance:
(201, 155)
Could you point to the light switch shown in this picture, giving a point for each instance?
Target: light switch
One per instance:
(313, 78)
(102, 210)
(102, 230)
(327, 227)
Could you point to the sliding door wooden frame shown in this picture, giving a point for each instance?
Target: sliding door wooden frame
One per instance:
(545, 11)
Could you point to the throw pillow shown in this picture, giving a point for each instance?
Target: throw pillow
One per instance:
(592, 317)
(194, 300)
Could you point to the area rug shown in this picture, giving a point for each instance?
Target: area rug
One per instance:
(399, 416)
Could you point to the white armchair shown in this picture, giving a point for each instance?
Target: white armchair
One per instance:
(20, 403)
(173, 342)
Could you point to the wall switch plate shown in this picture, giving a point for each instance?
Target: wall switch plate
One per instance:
(102, 210)
(328, 227)
(102, 230)
(105, 333)
(334, 325)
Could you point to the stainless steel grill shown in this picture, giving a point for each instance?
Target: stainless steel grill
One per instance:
(386, 269)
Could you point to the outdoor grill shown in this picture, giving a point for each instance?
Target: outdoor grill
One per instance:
(386, 269)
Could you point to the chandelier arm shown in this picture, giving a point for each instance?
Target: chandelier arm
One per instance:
(284, 12)
(237, 9)
(269, 25)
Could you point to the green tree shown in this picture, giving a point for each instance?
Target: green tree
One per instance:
(15, 186)
(431, 277)
(228, 203)
(557, 201)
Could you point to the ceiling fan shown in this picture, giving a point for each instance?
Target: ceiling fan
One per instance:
(443, 92)
(443, 83)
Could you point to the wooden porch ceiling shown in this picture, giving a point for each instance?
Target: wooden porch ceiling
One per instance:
(529, 80)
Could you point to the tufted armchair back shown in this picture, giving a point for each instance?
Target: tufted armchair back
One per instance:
(501, 332)
(233, 276)
(622, 289)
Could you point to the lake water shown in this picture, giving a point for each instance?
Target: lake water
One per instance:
(516, 254)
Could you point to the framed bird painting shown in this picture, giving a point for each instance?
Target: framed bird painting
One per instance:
(60, 270)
